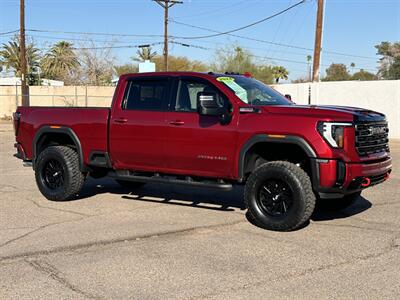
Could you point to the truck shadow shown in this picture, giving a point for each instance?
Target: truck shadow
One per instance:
(210, 199)
(190, 197)
(361, 205)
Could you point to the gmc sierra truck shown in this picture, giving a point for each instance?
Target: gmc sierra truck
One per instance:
(213, 131)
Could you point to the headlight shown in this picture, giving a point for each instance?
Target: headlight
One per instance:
(333, 132)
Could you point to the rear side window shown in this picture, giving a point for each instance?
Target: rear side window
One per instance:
(145, 95)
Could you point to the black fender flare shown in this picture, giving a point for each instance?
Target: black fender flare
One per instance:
(287, 139)
(63, 130)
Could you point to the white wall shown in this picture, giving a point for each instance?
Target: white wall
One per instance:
(10, 97)
(382, 96)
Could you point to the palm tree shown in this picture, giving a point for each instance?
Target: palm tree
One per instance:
(10, 57)
(60, 61)
(145, 53)
(352, 66)
(279, 72)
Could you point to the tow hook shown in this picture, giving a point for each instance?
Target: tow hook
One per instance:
(386, 177)
(366, 182)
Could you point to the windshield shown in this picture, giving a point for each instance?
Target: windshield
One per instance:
(252, 91)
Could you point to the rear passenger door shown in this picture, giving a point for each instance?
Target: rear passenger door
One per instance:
(137, 127)
(198, 145)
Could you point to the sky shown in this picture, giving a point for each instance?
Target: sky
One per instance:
(351, 28)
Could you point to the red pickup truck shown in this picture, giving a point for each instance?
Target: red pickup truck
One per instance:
(210, 130)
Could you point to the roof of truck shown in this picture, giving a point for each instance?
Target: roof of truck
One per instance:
(180, 73)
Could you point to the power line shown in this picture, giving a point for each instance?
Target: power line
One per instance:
(9, 32)
(299, 28)
(190, 46)
(95, 33)
(246, 26)
(198, 27)
(238, 36)
(277, 30)
(117, 47)
(268, 58)
(269, 42)
(60, 38)
(208, 12)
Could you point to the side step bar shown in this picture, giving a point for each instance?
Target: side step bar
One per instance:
(169, 179)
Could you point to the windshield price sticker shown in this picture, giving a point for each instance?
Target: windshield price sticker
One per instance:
(237, 89)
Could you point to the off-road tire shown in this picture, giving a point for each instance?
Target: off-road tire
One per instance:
(303, 198)
(73, 178)
(130, 184)
(337, 204)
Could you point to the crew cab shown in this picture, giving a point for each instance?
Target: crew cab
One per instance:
(213, 131)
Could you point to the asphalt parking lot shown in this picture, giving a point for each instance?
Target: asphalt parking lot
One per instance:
(163, 242)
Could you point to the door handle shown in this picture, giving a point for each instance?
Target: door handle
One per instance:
(121, 120)
(177, 123)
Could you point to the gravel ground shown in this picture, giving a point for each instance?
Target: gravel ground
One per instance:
(161, 242)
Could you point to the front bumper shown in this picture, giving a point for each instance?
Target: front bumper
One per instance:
(334, 178)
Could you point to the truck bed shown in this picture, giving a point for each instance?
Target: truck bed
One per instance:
(89, 125)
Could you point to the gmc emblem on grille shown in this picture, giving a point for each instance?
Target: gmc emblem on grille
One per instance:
(377, 130)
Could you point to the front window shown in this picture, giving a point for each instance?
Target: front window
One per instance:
(186, 96)
(253, 92)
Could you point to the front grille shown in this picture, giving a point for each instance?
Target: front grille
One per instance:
(372, 138)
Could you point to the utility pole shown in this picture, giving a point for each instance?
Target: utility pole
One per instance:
(166, 4)
(22, 53)
(318, 39)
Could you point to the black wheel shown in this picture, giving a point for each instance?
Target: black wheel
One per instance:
(130, 184)
(279, 196)
(57, 173)
(337, 204)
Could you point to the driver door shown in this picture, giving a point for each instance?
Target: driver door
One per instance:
(195, 144)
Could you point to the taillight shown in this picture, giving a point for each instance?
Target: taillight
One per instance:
(16, 118)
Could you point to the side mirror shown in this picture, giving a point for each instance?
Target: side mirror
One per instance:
(287, 96)
(207, 104)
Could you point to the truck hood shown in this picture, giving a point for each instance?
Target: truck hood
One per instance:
(347, 113)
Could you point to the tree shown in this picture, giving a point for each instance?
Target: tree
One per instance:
(60, 62)
(97, 65)
(389, 62)
(352, 66)
(394, 69)
(279, 72)
(238, 60)
(125, 69)
(336, 72)
(145, 53)
(363, 75)
(180, 63)
(301, 80)
(10, 58)
(263, 73)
